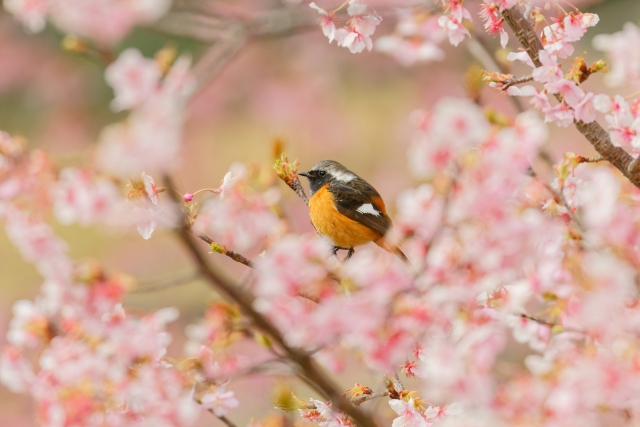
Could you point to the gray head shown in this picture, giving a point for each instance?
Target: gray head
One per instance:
(325, 172)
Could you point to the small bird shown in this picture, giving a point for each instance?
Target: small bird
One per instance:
(346, 209)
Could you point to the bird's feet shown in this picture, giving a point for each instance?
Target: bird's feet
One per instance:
(350, 252)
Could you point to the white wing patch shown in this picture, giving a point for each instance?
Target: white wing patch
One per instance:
(343, 176)
(368, 208)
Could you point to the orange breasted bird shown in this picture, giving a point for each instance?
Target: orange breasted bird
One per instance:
(346, 209)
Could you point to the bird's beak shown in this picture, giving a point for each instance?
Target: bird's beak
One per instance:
(305, 174)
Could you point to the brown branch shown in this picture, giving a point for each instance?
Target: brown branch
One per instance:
(594, 133)
(224, 419)
(516, 81)
(221, 249)
(296, 186)
(288, 172)
(168, 284)
(232, 292)
(366, 397)
(551, 324)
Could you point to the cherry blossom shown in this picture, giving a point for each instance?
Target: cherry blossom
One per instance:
(490, 13)
(220, 401)
(133, 78)
(32, 13)
(624, 61)
(357, 36)
(414, 40)
(78, 196)
(327, 21)
(408, 415)
(149, 140)
(452, 22)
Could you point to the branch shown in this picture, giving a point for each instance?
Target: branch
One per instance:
(224, 419)
(516, 81)
(365, 397)
(550, 324)
(245, 301)
(168, 284)
(221, 249)
(288, 172)
(594, 133)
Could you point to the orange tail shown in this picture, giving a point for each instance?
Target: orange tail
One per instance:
(393, 248)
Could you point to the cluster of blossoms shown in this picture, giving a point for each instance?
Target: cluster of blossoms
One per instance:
(356, 36)
(156, 91)
(416, 38)
(574, 102)
(104, 21)
(75, 350)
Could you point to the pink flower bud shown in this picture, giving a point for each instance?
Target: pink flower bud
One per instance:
(187, 197)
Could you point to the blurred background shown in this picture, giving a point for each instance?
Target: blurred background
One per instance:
(322, 101)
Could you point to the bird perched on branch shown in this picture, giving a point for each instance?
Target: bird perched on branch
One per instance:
(346, 209)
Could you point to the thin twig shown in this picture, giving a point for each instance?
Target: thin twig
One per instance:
(594, 133)
(366, 397)
(245, 301)
(397, 384)
(299, 189)
(221, 249)
(594, 159)
(168, 284)
(551, 324)
(516, 81)
(224, 419)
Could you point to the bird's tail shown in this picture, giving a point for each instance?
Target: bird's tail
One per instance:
(393, 248)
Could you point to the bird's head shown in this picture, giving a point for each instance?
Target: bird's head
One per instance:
(325, 172)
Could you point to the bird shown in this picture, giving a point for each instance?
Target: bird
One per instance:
(346, 209)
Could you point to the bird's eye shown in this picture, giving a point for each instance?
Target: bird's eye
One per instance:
(322, 173)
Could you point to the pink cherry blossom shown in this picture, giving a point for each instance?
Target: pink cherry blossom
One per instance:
(408, 416)
(521, 55)
(79, 196)
(570, 91)
(353, 40)
(149, 140)
(452, 409)
(29, 326)
(227, 183)
(443, 135)
(134, 79)
(327, 21)
(549, 71)
(490, 13)
(150, 188)
(32, 13)
(239, 220)
(146, 224)
(105, 21)
(454, 29)
(575, 25)
(560, 114)
(329, 417)
(624, 60)
(220, 401)
(357, 35)
(585, 110)
(413, 41)
(36, 241)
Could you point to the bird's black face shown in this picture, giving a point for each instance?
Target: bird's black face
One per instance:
(317, 179)
(325, 172)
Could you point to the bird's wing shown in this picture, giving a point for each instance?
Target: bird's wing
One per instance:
(362, 203)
